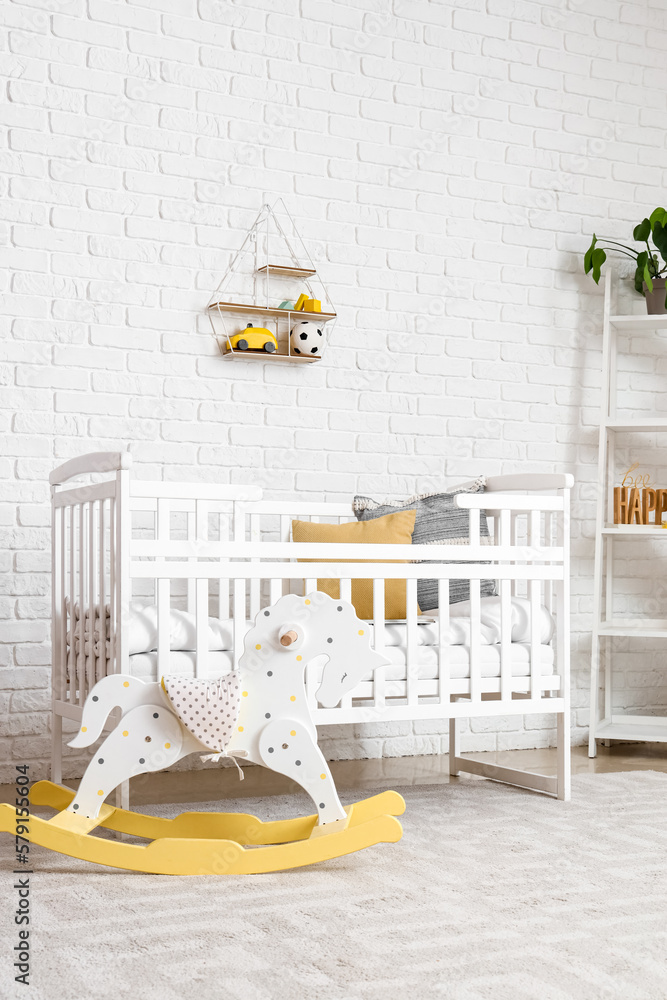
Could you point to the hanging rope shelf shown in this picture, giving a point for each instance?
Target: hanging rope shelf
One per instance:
(254, 312)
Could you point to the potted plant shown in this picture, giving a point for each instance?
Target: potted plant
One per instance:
(649, 280)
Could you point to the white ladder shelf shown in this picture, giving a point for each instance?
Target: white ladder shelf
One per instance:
(608, 724)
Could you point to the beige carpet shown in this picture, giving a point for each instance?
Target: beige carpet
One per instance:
(493, 893)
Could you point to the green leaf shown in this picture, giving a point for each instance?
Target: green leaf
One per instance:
(647, 279)
(642, 231)
(598, 257)
(657, 215)
(660, 239)
(588, 263)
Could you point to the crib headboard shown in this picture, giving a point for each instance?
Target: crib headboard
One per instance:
(93, 525)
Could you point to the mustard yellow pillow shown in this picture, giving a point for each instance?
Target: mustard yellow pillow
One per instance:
(392, 529)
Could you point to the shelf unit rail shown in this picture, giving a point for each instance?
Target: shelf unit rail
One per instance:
(605, 724)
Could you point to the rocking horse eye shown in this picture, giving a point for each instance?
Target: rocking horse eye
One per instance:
(329, 640)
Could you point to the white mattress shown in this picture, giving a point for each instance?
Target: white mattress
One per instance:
(182, 662)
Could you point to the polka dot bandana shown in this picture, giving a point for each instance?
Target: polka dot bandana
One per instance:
(208, 709)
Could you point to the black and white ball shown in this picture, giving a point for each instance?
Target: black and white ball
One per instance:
(306, 337)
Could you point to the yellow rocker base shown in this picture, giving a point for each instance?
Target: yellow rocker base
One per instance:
(199, 843)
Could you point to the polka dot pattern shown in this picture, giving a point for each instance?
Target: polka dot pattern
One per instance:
(208, 709)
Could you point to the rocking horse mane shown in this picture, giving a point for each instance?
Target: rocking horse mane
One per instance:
(290, 608)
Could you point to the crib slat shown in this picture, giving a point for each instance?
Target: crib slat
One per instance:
(201, 658)
(475, 644)
(412, 652)
(113, 624)
(380, 674)
(285, 536)
(223, 585)
(57, 601)
(101, 663)
(444, 648)
(275, 590)
(63, 606)
(191, 586)
(92, 581)
(507, 531)
(255, 539)
(548, 542)
(534, 591)
(163, 593)
(239, 585)
(71, 658)
(81, 659)
(475, 616)
(123, 580)
(505, 640)
(513, 541)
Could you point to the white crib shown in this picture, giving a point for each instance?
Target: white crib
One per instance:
(224, 553)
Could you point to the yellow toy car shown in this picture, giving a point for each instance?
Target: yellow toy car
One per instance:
(254, 338)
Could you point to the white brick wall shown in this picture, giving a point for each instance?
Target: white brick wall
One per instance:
(447, 162)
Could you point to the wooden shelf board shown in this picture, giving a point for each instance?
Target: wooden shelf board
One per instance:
(633, 728)
(244, 309)
(639, 322)
(646, 628)
(263, 356)
(291, 272)
(637, 425)
(635, 529)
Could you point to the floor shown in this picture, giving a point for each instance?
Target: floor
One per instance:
(223, 782)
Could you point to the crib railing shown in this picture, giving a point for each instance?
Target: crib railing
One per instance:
(223, 552)
(261, 570)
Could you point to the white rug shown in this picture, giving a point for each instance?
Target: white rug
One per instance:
(493, 893)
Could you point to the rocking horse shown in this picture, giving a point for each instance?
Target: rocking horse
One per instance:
(259, 714)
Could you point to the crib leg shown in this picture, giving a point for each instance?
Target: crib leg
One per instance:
(123, 795)
(563, 756)
(454, 747)
(57, 749)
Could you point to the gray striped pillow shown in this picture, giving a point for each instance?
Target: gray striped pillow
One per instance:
(439, 521)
